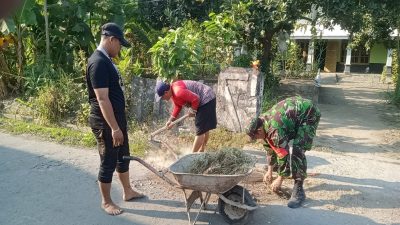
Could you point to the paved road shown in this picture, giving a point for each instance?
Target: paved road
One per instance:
(43, 183)
(46, 184)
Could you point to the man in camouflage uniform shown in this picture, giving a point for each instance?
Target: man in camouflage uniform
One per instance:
(293, 120)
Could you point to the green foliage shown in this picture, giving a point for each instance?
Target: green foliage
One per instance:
(26, 15)
(142, 37)
(221, 37)
(80, 63)
(82, 114)
(56, 101)
(395, 72)
(270, 93)
(177, 54)
(173, 14)
(267, 18)
(124, 64)
(139, 142)
(37, 75)
(293, 63)
(395, 66)
(242, 61)
(138, 139)
(137, 68)
(47, 105)
(348, 14)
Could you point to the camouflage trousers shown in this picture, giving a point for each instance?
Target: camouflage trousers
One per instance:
(302, 142)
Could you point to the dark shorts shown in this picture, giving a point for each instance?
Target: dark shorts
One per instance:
(206, 117)
(110, 157)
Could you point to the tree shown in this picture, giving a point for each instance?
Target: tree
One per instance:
(17, 27)
(368, 22)
(385, 21)
(177, 54)
(173, 14)
(268, 18)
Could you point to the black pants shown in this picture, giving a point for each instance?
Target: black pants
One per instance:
(110, 157)
(206, 117)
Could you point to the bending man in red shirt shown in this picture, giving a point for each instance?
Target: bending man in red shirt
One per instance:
(201, 101)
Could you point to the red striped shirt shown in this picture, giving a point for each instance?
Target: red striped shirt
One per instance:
(191, 94)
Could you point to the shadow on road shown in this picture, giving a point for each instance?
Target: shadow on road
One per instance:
(38, 190)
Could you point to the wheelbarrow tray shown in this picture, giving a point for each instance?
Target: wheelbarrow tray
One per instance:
(211, 183)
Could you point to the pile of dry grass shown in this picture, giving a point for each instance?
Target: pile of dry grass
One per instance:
(228, 161)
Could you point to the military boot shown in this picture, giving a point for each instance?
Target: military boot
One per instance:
(298, 195)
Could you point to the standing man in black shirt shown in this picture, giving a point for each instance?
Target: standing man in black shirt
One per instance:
(107, 116)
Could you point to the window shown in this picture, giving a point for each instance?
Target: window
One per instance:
(359, 55)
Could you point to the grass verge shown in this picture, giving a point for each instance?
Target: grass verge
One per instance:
(64, 135)
(60, 135)
(221, 138)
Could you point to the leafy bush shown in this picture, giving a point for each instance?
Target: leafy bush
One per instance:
(82, 115)
(271, 86)
(293, 64)
(58, 100)
(46, 105)
(178, 53)
(395, 67)
(37, 75)
(242, 61)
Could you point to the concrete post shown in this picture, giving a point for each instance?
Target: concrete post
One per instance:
(389, 62)
(347, 65)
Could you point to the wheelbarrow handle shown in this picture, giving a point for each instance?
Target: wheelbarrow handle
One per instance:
(152, 169)
(166, 127)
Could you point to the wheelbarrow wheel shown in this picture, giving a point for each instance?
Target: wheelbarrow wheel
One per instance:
(233, 214)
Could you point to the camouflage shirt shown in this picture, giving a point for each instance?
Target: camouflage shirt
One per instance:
(284, 118)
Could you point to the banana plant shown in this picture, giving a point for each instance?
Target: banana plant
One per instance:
(17, 27)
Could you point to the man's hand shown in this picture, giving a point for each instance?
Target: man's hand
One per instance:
(192, 112)
(168, 124)
(118, 137)
(268, 176)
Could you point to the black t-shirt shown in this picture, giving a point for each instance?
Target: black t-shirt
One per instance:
(101, 73)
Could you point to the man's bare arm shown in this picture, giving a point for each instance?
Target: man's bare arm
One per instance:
(108, 114)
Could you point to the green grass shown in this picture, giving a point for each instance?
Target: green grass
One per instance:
(138, 143)
(60, 135)
(221, 138)
(67, 136)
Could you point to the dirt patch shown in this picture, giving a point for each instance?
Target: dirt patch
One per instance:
(355, 155)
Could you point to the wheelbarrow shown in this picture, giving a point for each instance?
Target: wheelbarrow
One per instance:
(235, 203)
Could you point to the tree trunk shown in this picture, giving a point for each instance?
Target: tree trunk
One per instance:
(397, 88)
(20, 55)
(46, 21)
(266, 56)
(3, 71)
